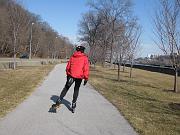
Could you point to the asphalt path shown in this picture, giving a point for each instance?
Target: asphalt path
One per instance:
(94, 115)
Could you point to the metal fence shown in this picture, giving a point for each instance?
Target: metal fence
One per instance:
(7, 63)
(157, 68)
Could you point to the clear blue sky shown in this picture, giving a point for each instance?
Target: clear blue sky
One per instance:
(64, 16)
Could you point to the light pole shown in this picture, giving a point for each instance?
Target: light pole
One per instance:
(30, 43)
(55, 47)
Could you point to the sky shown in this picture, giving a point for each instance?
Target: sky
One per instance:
(64, 16)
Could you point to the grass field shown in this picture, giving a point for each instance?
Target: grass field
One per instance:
(16, 85)
(146, 100)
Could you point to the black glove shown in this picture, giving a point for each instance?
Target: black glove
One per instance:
(85, 81)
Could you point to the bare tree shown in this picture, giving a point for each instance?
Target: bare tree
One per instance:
(112, 11)
(134, 43)
(4, 29)
(167, 24)
(18, 20)
(127, 41)
(15, 34)
(99, 28)
(121, 48)
(89, 29)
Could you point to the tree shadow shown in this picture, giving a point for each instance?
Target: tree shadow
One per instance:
(138, 96)
(168, 90)
(137, 83)
(110, 78)
(64, 102)
(170, 109)
(174, 106)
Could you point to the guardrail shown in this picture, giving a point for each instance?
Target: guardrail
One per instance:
(159, 69)
(7, 63)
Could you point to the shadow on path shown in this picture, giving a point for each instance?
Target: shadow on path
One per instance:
(64, 102)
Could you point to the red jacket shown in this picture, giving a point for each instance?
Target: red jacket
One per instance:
(78, 66)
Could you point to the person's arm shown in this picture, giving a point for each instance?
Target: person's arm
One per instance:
(68, 67)
(86, 71)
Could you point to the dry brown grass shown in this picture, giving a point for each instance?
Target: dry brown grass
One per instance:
(146, 100)
(16, 85)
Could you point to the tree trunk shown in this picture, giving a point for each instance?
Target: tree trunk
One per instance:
(36, 49)
(111, 53)
(119, 71)
(114, 65)
(15, 39)
(130, 75)
(102, 63)
(124, 67)
(5, 50)
(119, 67)
(176, 81)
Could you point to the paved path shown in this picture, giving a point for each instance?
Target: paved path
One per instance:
(94, 114)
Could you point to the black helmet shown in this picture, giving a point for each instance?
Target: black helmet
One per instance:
(80, 48)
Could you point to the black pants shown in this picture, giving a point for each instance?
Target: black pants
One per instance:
(69, 82)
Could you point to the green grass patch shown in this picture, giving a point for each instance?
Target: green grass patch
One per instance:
(16, 85)
(146, 100)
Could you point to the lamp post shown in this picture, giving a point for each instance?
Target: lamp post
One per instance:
(55, 44)
(30, 43)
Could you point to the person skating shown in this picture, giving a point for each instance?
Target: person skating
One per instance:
(77, 69)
